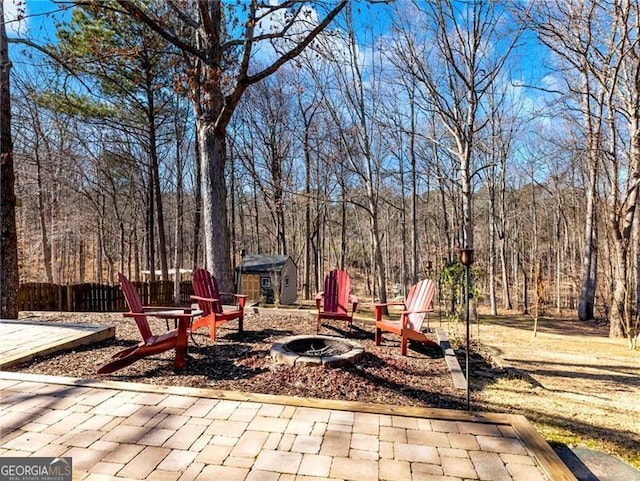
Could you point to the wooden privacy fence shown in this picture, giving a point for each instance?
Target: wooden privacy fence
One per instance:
(89, 297)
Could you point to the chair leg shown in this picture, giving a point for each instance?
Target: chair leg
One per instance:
(119, 363)
(212, 331)
(240, 324)
(403, 345)
(318, 325)
(378, 336)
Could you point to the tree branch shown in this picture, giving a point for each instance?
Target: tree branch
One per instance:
(299, 48)
(154, 25)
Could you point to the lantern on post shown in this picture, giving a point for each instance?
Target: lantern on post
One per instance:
(466, 259)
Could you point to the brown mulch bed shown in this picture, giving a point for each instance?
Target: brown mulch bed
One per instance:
(242, 362)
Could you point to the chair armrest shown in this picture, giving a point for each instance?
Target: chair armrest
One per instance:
(151, 309)
(354, 302)
(242, 300)
(319, 297)
(205, 299)
(381, 305)
(417, 312)
(172, 313)
(233, 294)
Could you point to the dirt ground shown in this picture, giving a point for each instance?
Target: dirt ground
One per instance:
(243, 362)
(577, 386)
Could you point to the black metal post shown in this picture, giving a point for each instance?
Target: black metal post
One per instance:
(466, 259)
(467, 282)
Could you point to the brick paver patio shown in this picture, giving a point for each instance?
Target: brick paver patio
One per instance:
(119, 431)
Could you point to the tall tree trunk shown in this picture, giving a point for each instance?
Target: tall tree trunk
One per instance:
(589, 272)
(178, 258)
(9, 280)
(414, 192)
(155, 181)
(502, 236)
(307, 213)
(45, 149)
(525, 286)
(635, 242)
(44, 237)
(150, 224)
(492, 248)
(256, 219)
(378, 258)
(82, 262)
(197, 217)
(467, 196)
(588, 291)
(278, 200)
(559, 261)
(343, 230)
(214, 202)
(233, 241)
(621, 221)
(403, 233)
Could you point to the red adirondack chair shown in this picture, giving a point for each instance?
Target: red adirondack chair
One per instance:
(207, 294)
(333, 302)
(151, 344)
(418, 304)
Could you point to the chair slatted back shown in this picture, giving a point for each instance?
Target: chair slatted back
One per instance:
(135, 306)
(419, 299)
(337, 286)
(205, 285)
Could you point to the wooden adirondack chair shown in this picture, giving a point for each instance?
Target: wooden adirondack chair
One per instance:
(151, 344)
(333, 302)
(418, 304)
(207, 294)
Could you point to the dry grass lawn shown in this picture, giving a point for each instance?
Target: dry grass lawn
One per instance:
(577, 386)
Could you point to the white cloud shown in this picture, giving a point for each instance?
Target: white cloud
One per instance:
(14, 16)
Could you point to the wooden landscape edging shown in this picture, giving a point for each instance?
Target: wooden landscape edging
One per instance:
(459, 380)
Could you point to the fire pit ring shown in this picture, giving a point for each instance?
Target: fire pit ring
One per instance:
(310, 350)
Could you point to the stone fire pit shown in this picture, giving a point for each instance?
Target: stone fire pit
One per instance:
(310, 350)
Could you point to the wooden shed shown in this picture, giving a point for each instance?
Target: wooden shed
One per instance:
(269, 278)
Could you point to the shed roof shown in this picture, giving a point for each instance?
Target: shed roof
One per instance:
(263, 263)
(172, 271)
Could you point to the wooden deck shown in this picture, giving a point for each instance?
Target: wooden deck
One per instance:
(22, 340)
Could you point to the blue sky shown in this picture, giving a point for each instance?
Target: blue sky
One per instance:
(370, 18)
(41, 17)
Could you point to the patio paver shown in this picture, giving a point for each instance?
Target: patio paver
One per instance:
(138, 431)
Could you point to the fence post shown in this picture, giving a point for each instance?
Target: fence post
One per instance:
(69, 298)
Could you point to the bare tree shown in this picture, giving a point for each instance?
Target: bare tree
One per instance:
(126, 69)
(220, 43)
(356, 107)
(598, 43)
(265, 147)
(465, 49)
(9, 280)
